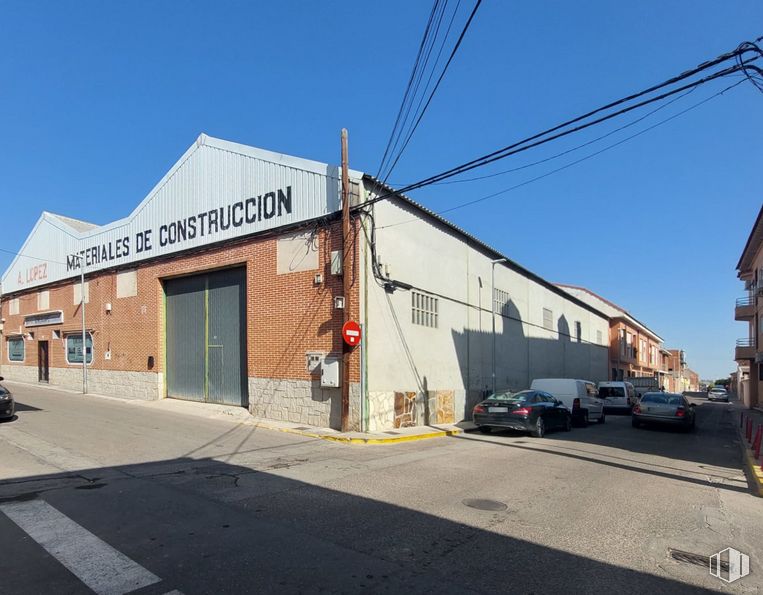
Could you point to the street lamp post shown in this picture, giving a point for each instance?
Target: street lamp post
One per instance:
(84, 335)
(492, 306)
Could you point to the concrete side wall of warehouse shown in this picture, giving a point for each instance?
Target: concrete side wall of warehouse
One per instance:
(431, 347)
(288, 315)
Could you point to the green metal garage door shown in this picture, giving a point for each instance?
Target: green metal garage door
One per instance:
(206, 337)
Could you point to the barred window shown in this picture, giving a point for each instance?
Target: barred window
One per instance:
(424, 309)
(501, 302)
(548, 319)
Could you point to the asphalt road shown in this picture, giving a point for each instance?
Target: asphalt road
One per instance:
(109, 496)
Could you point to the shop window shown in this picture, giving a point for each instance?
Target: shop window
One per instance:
(74, 348)
(16, 349)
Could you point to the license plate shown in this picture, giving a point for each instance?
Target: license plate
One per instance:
(497, 409)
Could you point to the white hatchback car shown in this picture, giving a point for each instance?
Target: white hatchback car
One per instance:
(718, 393)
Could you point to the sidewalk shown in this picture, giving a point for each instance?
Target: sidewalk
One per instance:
(241, 415)
(750, 425)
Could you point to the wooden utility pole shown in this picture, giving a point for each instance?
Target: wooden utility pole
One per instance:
(346, 281)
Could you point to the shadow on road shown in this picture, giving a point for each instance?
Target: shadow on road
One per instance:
(206, 526)
(707, 447)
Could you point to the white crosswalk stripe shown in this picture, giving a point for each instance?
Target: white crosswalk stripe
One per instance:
(93, 561)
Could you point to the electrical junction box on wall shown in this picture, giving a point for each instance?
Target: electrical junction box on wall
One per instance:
(314, 360)
(330, 372)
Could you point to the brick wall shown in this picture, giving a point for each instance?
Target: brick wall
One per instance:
(287, 314)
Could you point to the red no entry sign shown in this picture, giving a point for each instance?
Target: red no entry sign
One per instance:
(351, 333)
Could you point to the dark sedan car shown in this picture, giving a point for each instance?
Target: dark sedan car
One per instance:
(7, 406)
(664, 408)
(528, 411)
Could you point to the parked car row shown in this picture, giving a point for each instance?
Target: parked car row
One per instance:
(7, 405)
(558, 403)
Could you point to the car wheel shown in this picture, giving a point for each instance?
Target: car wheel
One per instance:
(586, 419)
(602, 418)
(568, 423)
(540, 428)
(635, 423)
(485, 429)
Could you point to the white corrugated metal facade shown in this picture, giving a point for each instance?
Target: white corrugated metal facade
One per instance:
(248, 190)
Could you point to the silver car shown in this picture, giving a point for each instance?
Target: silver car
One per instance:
(664, 408)
(718, 393)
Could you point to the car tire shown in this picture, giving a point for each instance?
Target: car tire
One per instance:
(602, 419)
(540, 428)
(485, 429)
(586, 420)
(568, 423)
(635, 423)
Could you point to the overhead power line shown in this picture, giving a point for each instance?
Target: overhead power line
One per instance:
(558, 131)
(437, 85)
(572, 163)
(404, 102)
(409, 117)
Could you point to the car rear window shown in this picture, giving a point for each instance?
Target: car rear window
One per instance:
(654, 398)
(611, 391)
(511, 397)
(662, 399)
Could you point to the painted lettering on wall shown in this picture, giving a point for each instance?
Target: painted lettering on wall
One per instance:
(38, 272)
(204, 224)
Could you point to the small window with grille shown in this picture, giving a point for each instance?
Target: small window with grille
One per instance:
(424, 309)
(548, 319)
(501, 302)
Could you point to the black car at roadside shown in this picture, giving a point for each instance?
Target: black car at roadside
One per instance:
(7, 405)
(530, 411)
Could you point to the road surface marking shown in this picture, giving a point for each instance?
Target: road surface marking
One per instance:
(93, 561)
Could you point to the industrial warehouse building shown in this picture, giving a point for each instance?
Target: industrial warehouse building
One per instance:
(224, 285)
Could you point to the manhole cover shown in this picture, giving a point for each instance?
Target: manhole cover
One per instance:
(481, 504)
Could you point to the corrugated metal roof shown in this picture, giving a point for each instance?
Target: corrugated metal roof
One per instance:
(486, 247)
(75, 224)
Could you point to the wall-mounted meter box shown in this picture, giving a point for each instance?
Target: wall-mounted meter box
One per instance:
(331, 372)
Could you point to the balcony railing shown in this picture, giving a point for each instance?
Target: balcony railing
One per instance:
(745, 301)
(745, 308)
(745, 350)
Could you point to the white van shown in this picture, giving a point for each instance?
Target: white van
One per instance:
(579, 396)
(618, 395)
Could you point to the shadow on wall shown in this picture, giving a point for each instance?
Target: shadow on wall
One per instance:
(520, 359)
(274, 533)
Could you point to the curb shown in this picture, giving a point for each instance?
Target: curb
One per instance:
(357, 440)
(752, 467)
(266, 426)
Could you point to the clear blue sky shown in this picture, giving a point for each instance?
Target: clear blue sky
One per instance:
(99, 99)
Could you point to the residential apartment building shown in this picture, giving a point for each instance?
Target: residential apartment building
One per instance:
(749, 309)
(634, 349)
